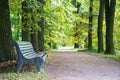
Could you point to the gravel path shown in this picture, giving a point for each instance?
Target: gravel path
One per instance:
(72, 65)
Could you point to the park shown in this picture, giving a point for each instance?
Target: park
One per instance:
(59, 40)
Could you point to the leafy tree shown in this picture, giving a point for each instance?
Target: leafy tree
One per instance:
(15, 18)
(59, 20)
(76, 44)
(25, 21)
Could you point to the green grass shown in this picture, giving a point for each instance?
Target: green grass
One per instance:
(24, 76)
(28, 72)
(115, 56)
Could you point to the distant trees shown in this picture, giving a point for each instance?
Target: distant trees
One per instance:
(106, 7)
(76, 44)
(6, 50)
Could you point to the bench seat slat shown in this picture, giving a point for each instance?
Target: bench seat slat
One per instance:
(27, 51)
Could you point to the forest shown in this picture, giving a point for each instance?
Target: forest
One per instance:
(48, 24)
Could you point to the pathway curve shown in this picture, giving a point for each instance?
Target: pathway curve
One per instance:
(72, 65)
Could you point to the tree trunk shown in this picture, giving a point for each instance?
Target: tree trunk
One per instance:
(110, 13)
(78, 7)
(34, 41)
(76, 45)
(90, 25)
(6, 50)
(25, 30)
(41, 32)
(41, 35)
(100, 25)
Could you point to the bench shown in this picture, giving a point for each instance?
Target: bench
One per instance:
(26, 55)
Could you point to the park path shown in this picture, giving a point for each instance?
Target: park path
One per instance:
(72, 65)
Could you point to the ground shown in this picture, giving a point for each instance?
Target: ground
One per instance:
(73, 65)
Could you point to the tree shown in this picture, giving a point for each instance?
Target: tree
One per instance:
(6, 50)
(90, 25)
(41, 35)
(25, 20)
(100, 25)
(41, 32)
(109, 14)
(76, 44)
(34, 40)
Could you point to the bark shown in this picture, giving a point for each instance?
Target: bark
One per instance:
(110, 13)
(90, 25)
(41, 35)
(41, 32)
(78, 7)
(76, 45)
(25, 30)
(100, 25)
(34, 41)
(6, 50)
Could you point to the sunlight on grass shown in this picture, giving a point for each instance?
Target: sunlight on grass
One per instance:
(111, 56)
(24, 76)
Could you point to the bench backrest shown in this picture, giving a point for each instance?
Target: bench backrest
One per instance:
(24, 49)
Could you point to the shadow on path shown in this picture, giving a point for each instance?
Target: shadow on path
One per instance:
(71, 65)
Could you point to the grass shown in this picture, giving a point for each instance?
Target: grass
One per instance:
(115, 56)
(24, 76)
(28, 72)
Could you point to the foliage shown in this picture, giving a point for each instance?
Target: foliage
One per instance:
(59, 20)
(15, 14)
(61, 23)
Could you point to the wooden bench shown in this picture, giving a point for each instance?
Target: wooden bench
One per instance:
(26, 55)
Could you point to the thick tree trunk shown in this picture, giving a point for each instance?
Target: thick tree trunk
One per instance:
(100, 25)
(6, 50)
(90, 25)
(110, 13)
(34, 41)
(25, 30)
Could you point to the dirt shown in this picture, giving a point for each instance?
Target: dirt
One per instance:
(72, 65)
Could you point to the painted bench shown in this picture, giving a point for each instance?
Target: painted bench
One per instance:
(26, 55)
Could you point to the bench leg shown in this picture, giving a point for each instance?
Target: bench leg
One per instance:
(19, 67)
(39, 64)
